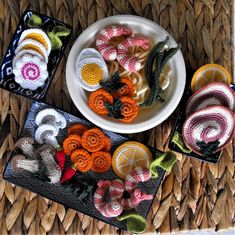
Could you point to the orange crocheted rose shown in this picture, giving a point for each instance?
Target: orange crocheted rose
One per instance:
(71, 143)
(101, 161)
(93, 140)
(77, 129)
(127, 89)
(129, 108)
(107, 144)
(82, 160)
(97, 101)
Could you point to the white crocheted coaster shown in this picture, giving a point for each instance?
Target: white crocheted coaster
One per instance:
(31, 44)
(38, 35)
(30, 72)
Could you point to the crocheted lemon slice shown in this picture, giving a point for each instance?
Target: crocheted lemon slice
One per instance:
(130, 155)
(210, 73)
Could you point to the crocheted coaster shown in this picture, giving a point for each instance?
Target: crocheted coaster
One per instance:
(30, 72)
(215, 93)
(31, 52)
(209, 130)
(37, 35)
(91, 69)
(50, 116)
(30, 44)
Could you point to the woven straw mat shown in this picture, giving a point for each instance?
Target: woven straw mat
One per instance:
(194, 195)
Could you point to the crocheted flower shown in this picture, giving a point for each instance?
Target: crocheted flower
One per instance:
(77, 129)
(98, 100)
(101, 161)
(30, 72)
(82, 160)
(93, 140)
(71, 143)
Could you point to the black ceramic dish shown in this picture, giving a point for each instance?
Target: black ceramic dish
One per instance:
(178, 127)
(63, 195)
(7, 77)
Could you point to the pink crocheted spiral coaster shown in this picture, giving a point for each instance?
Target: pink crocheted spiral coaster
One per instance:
(215, 93)
(212, 125)
(30, 72)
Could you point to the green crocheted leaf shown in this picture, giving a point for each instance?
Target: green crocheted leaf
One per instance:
(178, 141)
(56, 43)
(208, 149)
(61, 31)
(164, 161)
(34, 21)
(135, 222)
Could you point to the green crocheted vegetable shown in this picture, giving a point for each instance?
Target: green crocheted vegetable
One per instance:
(113, 84)
(178, 141)
(158, 56)
(56, 43)
(208, 149)
(61, 31)
(34, 21)
(164, 161)
(54, 36)
(135, 222)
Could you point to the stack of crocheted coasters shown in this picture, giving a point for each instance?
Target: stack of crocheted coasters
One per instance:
(31, 58)
(210, 119)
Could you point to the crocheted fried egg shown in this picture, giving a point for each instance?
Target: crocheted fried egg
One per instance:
(91, 69)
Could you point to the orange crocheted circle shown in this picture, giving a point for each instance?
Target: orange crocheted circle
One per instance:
(101, 161)
(82, 160)
(77, 129)
(93, 140)
(71, 143)
(129, 108)
(127, 90)
(97, 101)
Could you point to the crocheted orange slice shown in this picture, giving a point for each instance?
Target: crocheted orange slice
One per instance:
(130, 155)
(210, 73)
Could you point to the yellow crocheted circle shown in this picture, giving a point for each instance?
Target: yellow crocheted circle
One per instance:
(92, 74)
(37, 37)
(130, 155)
(33, 47)
(210, 73)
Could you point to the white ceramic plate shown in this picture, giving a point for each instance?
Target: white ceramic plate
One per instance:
(147, 118)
